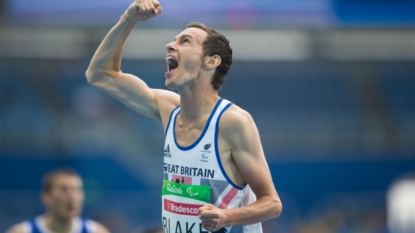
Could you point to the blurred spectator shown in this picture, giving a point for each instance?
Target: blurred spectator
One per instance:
(63, 196)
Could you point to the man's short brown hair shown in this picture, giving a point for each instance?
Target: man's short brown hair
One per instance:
(49, 178)
(216, 44)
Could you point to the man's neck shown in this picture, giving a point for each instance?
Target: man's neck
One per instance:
(196, 103)
(57, 225)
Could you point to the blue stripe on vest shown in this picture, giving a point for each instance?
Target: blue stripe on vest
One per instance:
(84, 226)
(35, 229)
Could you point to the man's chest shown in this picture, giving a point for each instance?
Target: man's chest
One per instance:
(186, 136)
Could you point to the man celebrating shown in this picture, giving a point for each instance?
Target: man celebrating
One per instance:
(216, 175)
(63, 196)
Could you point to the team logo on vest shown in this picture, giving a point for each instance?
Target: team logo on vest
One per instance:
(167, 151)
(206, 148)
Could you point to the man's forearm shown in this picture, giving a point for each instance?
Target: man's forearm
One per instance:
(107, 58)
(263, 209)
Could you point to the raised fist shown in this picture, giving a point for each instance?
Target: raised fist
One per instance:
(141, 10)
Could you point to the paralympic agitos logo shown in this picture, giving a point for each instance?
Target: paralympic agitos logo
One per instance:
(189, 191)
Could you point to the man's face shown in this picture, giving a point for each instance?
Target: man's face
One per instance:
(66, 196)
(185, 57)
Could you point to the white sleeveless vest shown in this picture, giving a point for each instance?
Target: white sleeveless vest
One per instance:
(79, 225)
(194, 176)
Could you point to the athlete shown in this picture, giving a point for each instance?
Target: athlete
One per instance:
(63, 196)
(216, 178)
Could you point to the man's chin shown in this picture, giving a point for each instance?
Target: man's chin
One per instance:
(170, 86)
(66, 217)
(69, 215)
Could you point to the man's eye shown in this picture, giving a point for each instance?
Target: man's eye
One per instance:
(186, 41)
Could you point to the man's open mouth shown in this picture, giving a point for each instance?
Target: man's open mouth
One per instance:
(172, 63)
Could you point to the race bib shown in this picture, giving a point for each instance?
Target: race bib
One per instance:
(180, 206)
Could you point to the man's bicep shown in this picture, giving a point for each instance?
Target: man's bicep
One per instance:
(255, 171)
(249, 157)
(134, 92)
(17, 228)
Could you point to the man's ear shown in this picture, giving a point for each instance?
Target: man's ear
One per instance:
(211, 62)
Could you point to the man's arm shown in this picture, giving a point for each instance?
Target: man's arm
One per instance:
(17, 228)
(104, 71)
(99, 228)
(240, 131)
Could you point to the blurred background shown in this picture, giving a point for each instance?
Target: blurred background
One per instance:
(330, 84)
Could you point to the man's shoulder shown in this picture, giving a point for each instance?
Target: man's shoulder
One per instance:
(18, 228)
(94, 226)
(235, 118)
(237, 127)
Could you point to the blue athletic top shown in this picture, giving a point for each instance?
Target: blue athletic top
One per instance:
(34, 228)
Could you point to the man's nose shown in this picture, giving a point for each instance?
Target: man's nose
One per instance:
(170, 47)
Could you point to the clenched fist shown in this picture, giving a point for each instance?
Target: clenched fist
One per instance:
(213, 218)
(141, 10)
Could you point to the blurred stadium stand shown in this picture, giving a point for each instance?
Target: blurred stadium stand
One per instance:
(332, 94)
